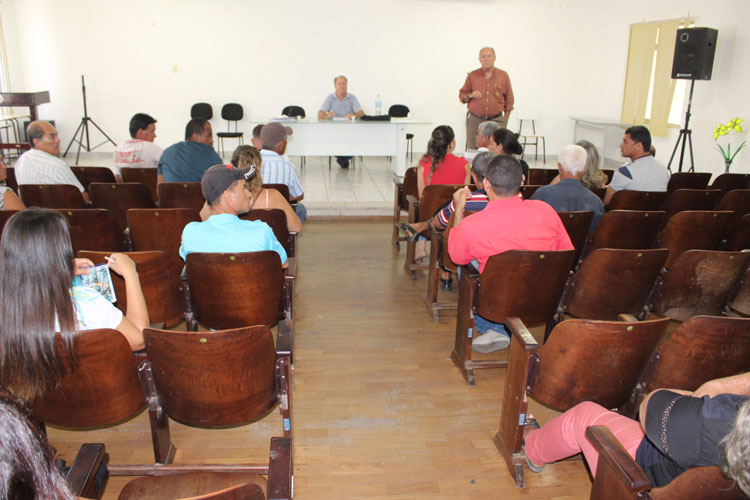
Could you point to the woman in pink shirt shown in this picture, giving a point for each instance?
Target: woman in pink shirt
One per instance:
(439, 165)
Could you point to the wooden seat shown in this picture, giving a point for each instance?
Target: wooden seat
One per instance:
(231, 290)
(577, 225)
(559, 373)
(690, 199)
(119, 197)
(281, 188)
(702, 348)
(160, 281)
(433, 198)
(496, 295)
(160, 229)
(94, 229)
(87, 175)
(276, 220)
(407, 187)
(738, 201)
(629, 229)
(729, 182)
(688, 180)
(147, 176)
(739, 238)
(637, 200)
(527, 191)
(619, 477)
(699, 283)
(541, 176)
(611, 282)
(180, 195)
(692, 230)
(51, 196)
(102, 390)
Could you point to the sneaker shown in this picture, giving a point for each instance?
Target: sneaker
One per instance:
(490, 341)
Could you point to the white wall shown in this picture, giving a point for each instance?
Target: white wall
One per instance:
(565, 57)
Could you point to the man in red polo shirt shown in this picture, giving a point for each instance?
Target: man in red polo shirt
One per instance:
(506, 223)
(488, 94)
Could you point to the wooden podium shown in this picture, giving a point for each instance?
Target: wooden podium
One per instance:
(22, 99)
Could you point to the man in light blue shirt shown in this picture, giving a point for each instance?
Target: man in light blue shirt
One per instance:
(340, 104)
(224, 189)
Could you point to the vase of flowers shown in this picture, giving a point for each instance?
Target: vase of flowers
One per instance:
(731, 127)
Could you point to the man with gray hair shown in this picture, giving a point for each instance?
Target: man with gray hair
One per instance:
(484, 134)
(570, 195)
(40, 164)
(340, 104)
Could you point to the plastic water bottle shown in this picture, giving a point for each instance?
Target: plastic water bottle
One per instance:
(378, 105)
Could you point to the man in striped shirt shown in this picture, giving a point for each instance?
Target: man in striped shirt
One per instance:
(40, 164)
(278, 169)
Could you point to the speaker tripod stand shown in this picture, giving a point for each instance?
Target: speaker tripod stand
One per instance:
(83, 128)
(686, 135)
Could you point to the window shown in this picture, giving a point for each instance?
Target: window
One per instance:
(651, 96)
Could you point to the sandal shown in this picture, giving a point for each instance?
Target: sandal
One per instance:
(411, 233)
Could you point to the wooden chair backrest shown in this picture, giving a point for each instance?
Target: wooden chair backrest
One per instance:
(160, 229)
(281, 188)
(637, 200)
(232, 290)
(728, 182)
(523, 283)
(600, 192)
(699, 283)
(444, 257)
(632, 229)
(4, 216)
(93, 229)
(527, 191)
(577, 225)
(118, 197)
(231, 378)
(101, 390)
(276, 220)
(541, 176)
(688, 180)
(690, 199)
(434, 197)
(616, 351)
(195, 483)
(408, 187)
(87, 175)
(741, 300)
(739, 238)
(180, 195)
(612, 281)
(692, 230)
(609, 173)
(51, 196)
(738, 201)
(147, 176)
(702, 348)
(160, 281)
(10, 180)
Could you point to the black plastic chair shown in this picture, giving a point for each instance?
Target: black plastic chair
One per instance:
(231, 112)
(402, 111)
(293, 111)
(202, 110)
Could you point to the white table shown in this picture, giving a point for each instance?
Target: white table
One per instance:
(605, 134)
(346, 138)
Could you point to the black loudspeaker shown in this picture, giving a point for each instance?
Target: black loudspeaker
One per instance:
(694, 53)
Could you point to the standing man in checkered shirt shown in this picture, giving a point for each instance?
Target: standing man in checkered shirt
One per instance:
(40, 164)
(140, 151)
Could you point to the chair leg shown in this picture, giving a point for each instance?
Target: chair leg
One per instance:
(396, 216)
(461, 354)
(433, 275)
(544, 151)
(164, 450)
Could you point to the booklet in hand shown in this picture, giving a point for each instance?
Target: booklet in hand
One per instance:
(100, 280)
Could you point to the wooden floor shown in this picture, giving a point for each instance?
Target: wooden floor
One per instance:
(379, 409)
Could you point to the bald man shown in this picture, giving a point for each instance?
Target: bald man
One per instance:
(40, 164)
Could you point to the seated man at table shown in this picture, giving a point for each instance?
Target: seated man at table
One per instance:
(340, 104)
(40, 164)
(227, 196)
(506, 223)
(643, 173)
(186, 161)
(140, 151)
(277, 168)
(569, 194)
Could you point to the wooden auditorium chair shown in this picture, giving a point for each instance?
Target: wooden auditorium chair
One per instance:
(51, 196)
(737, 201)
(560, 374)
(689, 199)
(276, 220)
(520, 283)
(94, 229)
(627, 199)
(629, 229)
(577, 226)
(692, 230)
(180, 195)
(439, 259)
(407, 187)
(528, 190)
(118, 197)
(740, 303)
(283, 189)
(160, 229)
(739, 238)
(700, 282)
(688, 180)
(87, 175)
(728, 182)
(147, 176)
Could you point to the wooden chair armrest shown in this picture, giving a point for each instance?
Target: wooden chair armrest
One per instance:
(82, 475)
(191, 324)
(627, 317)
(291, 270)
(471, 271)
(618, 476)
(280, 478)
(284, 333)
(519, 331)
(413, 208)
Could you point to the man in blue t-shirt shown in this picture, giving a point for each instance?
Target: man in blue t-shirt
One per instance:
(341, 104)
(186, 161)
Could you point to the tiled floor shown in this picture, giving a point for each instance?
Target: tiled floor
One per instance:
(366, 189)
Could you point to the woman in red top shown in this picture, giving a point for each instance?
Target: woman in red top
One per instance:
(439, 165)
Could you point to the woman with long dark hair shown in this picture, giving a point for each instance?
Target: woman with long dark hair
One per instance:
(37, 299)
(505, 142)
(439, 165)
